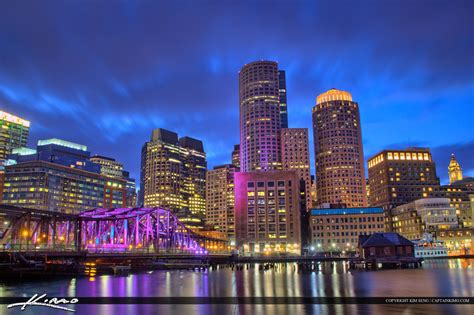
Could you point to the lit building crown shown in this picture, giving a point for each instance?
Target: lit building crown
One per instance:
(14, 119)
(62, 143)
(333, 95)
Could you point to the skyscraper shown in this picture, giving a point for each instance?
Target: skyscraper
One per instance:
(283, 101)
(340, 177)
(295, 156)
(112, 168)
(397, 177)
(58, 176)
(260, 121)
(454, 170)
(236, 156)
(13, 134)
(173, 173)
(220, 198)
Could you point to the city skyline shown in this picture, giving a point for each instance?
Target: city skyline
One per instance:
(394, 89)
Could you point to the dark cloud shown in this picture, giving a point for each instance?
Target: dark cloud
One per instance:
(106, 73)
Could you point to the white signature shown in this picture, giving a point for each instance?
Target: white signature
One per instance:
(40, 300)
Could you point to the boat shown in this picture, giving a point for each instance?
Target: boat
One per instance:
(427, 247)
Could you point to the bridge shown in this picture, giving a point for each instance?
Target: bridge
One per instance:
(102, 232)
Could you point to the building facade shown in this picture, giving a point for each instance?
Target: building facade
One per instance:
(295, 155)
(397, 177)
(340, 176)
(13, 134)
(48, 186)
(283, 99)
(236, 156)
(108, 166)
(268, 212)
(173, 173)
(220, 199)
(425, 215)
(338, 229)
(260, 121)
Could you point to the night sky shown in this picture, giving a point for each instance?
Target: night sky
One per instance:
(105, 73)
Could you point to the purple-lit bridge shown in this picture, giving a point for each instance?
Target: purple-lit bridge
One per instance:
(102, 232)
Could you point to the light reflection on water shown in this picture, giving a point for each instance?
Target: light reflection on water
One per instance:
(453, 278)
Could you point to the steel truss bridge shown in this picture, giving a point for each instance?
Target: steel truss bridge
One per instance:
(107, 231)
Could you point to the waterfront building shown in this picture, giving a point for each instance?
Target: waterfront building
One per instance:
(295, 156)
(268, 212)
(385, 245)
(13, 134)
(59, 176)
(458, 196)
(454, 170)
(340, 176)
(220, 199)
(236, 155)
(425, 215)
(283, 99)
(260, 121)
(338, 229)
(173, 173)
(397, 177)
(458, 241)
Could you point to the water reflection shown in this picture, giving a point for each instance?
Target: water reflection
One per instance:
(435, 278)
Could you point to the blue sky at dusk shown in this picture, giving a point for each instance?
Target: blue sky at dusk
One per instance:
(105, 73)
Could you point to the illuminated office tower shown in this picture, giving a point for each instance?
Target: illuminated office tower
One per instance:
(268, 212)
(295, 156)
(13, 134)
(283, 100)
(340, 177)
(112, 168)
(397, 177)
(220, 199)
(108, 166)
(236, 156)
(173, 173)
(260, 121)
(454, 170)
(58, 176)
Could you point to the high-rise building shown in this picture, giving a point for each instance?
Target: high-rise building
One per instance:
(340, 177)
(173, 173)
(295, 156)
(13, 134)
(260, 121)
(111, 168)
(108, 166)
(58, 176)
(397, 177)
(338, 229)
(454, 170)
(220, 199)
(268, 212)
(283, 100)
(236, 156)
